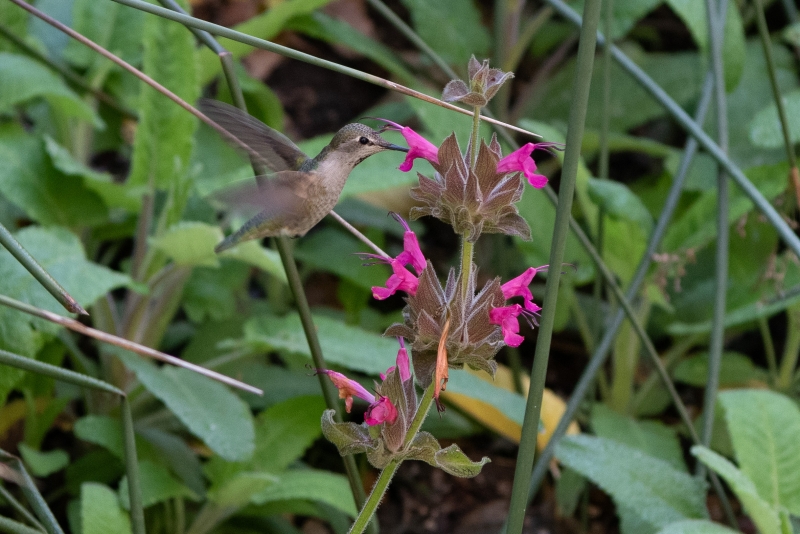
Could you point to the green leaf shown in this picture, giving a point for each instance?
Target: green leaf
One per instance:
(453, 461)
(164, 136)
(620, 203)
(101, 430)
(649, 487)
(364, 351)
(23, 79)
(252, 253)
(694, 15)
(649, 437)
(177, 455)
(237, 492)
(264, 26)
(462, 36)
(696, 526)
(282, 435)
(208, 409)
(759, 510)
(101, 512)
(765, 129)
(190, 243)
(765, 427)
(158, 485)
(211, 293)
(737, 370)
(42, 464)
(29, 180)
(625, 15)
(323, 486)
(113, 26)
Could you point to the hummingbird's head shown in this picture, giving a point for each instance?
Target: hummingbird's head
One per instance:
(356, 142)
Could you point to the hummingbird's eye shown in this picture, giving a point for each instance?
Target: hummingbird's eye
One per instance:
(364, 141)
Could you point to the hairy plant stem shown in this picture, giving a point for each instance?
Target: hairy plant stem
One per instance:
(376, 495)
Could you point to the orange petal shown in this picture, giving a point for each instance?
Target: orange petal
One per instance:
(441, 362)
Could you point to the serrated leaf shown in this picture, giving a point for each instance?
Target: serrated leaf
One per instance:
(164, 136)
(696, 526)
(653, 488)
(759, 510)
(43, 463)
(208, 409)
(765, 128)
(650, 437)
(323, 486)
(765, 427)
(452, 460)
(23, 79)
(190, 243)
(158, 485)
(101, 512)
(29, 181)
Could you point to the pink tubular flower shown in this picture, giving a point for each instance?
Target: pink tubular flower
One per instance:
(348, 388)
(506, 318)
(521, 161)
(418, 146)
(381, 411)
(402, 363)
(401, 279)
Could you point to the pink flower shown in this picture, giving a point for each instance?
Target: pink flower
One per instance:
(348, 388)
(401, 279)
(418, 146)
(521, 161)
(506, 318)
(381, 411)
(402, 363)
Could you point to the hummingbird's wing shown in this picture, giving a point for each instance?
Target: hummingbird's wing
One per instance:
(282, 203)
(276, 150)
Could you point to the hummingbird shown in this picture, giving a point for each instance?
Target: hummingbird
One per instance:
(299, 191)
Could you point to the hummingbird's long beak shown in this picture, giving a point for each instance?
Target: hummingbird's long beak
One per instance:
(391, 146)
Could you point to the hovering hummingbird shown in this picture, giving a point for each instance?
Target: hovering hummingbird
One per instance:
(300, 190)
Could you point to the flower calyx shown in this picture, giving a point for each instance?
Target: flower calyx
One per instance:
(484, 82)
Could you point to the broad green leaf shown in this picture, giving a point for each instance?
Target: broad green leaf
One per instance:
(211, 293)
(765, 427)
(177, 455)
(620, 203)
(43, 463)
(649, 437)
(101, 512)
(334, 251)
(101, 430)
(16, 20)
(158, 485)
(111, 25)
(208, 409)
(98, 465)
(737, 370)
(252, 253)
(649, 486)
(323, 486)
(763, 515)
(283, 433)
(23, 79)
(163, 142)
(765, 129)
(456, 40)
(190, 243)
(696, 526)
(264, 26)
(237, 491)
(694, 15)
(358, 349)
(31, 182)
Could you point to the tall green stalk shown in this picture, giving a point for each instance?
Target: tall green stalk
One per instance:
(577, 116)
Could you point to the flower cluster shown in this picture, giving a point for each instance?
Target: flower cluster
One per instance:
(484, 82)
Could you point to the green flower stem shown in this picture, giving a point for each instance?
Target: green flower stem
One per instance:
(577, 116)
(467, 249)
(52, 371)
(376, 495)
(38, 272)
(693, 128)
(132, 469)
(473, 138)
(9, 525)
(715, 14)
